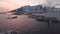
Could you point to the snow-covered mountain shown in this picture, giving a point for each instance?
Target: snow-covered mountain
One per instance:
(35, 9)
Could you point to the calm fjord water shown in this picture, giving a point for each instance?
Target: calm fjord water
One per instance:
(25, 25)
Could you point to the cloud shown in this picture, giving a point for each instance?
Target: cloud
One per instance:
(12, 4)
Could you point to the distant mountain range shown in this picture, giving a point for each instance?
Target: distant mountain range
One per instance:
(35, 9)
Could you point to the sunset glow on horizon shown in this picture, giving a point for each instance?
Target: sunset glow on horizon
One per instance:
(13, 4)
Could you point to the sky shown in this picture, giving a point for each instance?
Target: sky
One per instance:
(13, 4)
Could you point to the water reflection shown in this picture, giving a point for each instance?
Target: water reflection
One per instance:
(25, 25)
(22, 24)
